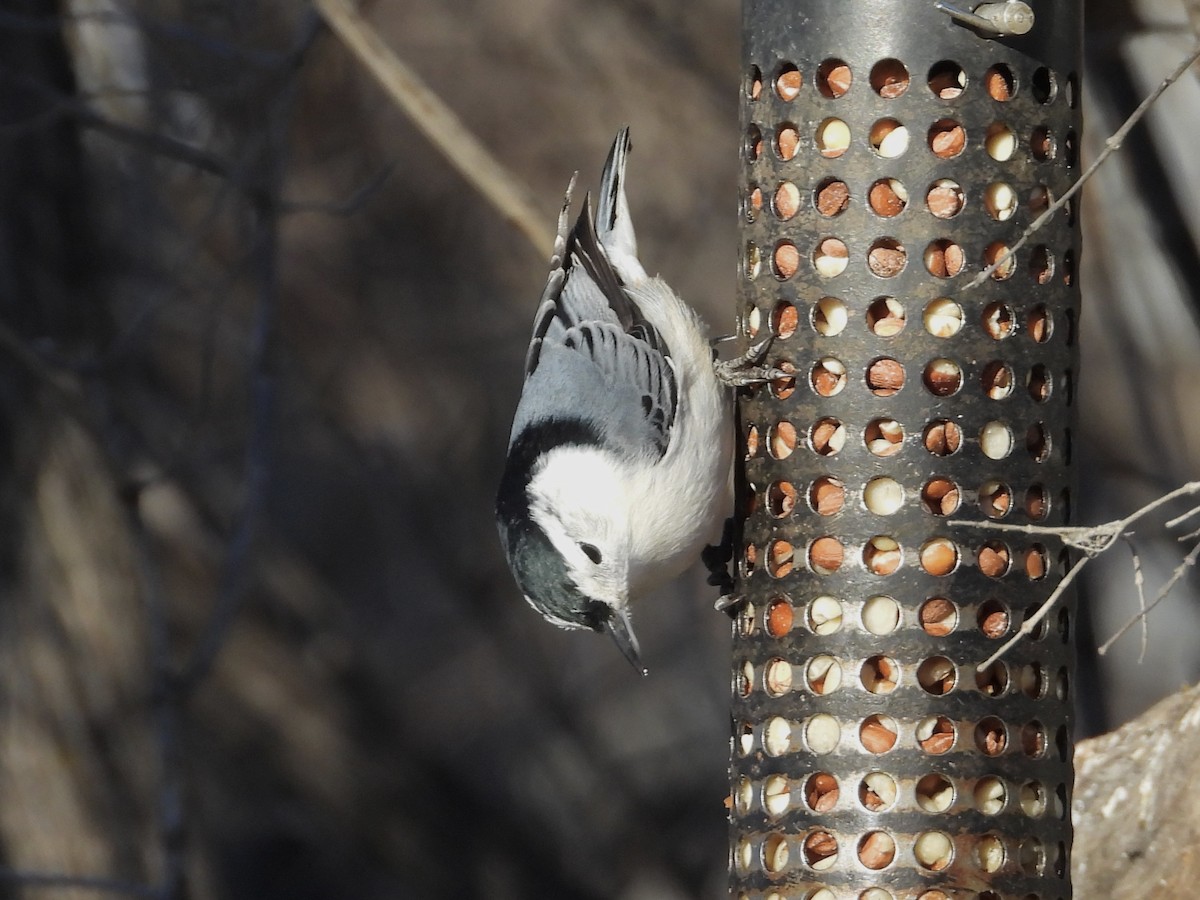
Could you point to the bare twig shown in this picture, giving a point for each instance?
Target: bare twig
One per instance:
(259, 458)
(1139, 582)
(1190, 536)
(1183, 517)
(165, 699)
(1044, 610)
(1110, 147)
(1092, 540)
(439, 124)
(152, 142)
(156, 143)
(1189, 561)
(264, 366)
(348, 206)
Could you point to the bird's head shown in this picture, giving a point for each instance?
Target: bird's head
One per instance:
(568, 545)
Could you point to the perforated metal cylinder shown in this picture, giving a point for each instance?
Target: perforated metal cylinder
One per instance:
(889, 155)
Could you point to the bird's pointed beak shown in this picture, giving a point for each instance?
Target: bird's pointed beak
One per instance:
(617, 625)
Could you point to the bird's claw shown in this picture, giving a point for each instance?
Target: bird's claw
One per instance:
(717, 559)
(729, 603)
(746, 370)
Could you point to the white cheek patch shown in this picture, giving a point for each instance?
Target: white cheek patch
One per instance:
(577, 495)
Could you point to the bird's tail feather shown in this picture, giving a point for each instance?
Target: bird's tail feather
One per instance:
(614, 225)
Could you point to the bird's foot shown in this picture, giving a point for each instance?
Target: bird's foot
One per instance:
(747, 369)
(717, 559)
(729, 603)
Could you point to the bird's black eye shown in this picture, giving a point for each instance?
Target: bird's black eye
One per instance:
(591, 551)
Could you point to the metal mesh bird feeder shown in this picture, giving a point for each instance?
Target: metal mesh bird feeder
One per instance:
(891, 152)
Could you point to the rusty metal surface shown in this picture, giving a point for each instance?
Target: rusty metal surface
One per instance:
(1030, 698)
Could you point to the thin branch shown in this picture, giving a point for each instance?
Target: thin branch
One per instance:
(158, 144)
(1189, 562)
(1110, 147)
(444, 129)
(1139, 582)
(1082, 537)
(155, 143)
(356, 200)
(1092, 540)
(259, 464)
(259, 455)
(264, 376)
(1183, 517)
(1044, 610)
(165, 698)
(1190, 536)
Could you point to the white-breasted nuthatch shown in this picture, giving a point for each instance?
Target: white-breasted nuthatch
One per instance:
(620, 453)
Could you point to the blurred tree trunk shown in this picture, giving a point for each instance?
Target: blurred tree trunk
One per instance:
(76, 755)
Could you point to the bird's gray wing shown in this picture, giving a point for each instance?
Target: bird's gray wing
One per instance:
(617, 385)
(616, 370)
(635, 371)
(595, 357)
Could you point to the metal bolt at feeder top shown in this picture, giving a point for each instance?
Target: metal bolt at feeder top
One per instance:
(1009, 18)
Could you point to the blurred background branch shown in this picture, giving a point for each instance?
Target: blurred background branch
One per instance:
(472, 159)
